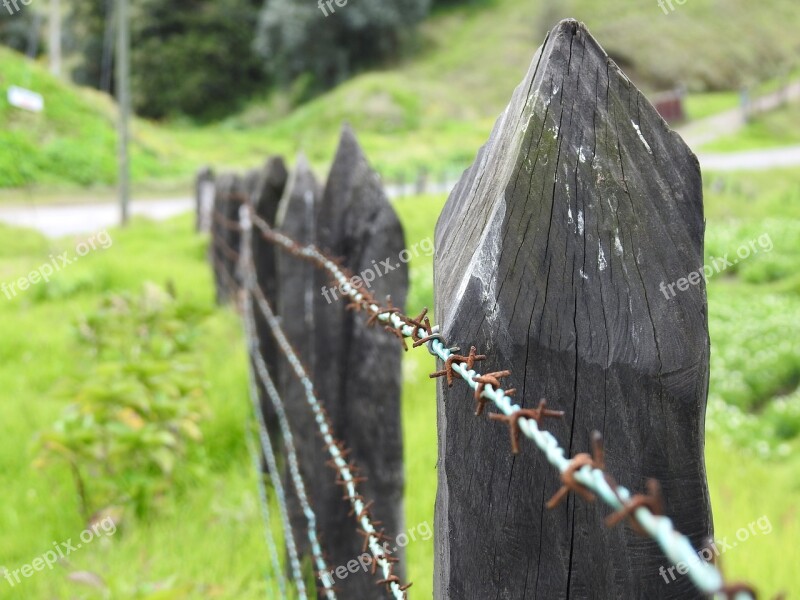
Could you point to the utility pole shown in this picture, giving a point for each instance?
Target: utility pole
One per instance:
(55, 37)
(124, 103)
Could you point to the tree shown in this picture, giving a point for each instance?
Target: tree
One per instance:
(330, 42)
(193, 57)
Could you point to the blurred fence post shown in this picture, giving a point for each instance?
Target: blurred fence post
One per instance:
(296, 218)
(229, 196)
(265, 188)
(203, 199)
(356, 368)
(554, 256)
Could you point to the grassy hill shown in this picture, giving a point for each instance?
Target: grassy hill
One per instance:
(73, 140)
(433, 109)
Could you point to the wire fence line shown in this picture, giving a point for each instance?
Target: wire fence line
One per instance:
(291, 455)
(272, 466)
(261, 370)
(374, 539)
(347, 472)
(274, 473)
(269, 538)
(583, 474)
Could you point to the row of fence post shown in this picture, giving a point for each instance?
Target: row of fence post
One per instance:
(356, 368)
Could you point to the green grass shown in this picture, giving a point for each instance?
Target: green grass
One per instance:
(207, 533)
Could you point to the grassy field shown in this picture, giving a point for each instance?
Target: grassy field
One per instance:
(206, 538)
(431, 110)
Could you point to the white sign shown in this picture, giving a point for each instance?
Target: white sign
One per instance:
(25, 99)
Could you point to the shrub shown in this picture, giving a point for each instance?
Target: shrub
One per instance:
(134, 419)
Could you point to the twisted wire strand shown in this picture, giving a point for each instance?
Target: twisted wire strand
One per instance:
(226, 223)
(676, 546)
(225, 247)
(265, 512)
(360, 508)
(286, 432)
(272, 466)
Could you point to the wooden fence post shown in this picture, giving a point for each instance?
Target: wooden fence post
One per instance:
(203, 198)
(219, 260)
(356, 368)
(296, 218)
(554, 256)
(265, 188)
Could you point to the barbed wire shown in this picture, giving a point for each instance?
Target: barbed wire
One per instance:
(261, 370)
(347, 477)
(255, 458)
(269, 458)
(275, 477)
(583, 474)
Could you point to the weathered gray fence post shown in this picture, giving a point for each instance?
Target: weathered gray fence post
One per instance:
(550, 257)
(356, 369)
(203, 199)
(218, 231)
(296, 218)
(266, 187)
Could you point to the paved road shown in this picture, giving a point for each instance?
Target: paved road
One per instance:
(751, 160)
(60, 220)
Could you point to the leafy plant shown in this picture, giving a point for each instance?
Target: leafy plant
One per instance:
(134, 419)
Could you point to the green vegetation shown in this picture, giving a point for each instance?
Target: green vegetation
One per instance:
(203, 539)
(707, 104)
(136, 410)
(73, 140)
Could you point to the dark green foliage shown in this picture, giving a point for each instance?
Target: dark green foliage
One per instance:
(296, 37)
(21, 31)
(88, 32)
(193, 57)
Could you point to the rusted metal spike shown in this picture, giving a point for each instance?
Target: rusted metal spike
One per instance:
(651, 500)
(598, 451)
(492, 379)
(398, 335)
(570, 483)
(536, 414)
(731, 590)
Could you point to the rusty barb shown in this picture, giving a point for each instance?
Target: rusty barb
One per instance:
(584, 474)
(512, 420)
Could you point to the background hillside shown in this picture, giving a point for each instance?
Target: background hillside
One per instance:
(430, 107)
